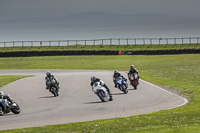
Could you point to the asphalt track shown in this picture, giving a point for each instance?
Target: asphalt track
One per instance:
(76, 101)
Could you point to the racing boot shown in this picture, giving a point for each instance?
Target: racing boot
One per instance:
(115, 85)
(110, 98)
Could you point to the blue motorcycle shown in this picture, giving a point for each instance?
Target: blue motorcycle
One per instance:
(7, 106)
(121, 84)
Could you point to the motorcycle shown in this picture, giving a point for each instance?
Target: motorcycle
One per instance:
(101, 92)
(133, 79)
(53, 87)
(7, 106)
(121, 84)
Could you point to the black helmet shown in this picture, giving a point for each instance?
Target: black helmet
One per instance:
(132, 67)
(48, 74)
(93, 78)
(116, 72)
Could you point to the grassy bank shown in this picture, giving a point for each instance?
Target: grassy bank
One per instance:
(4, 80)
(180, 72)
(132, 47)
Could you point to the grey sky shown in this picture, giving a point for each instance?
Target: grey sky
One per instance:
(41, 8)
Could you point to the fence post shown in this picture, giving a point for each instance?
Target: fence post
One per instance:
(102, 41)
(190, 41)
(143, 41)
(150, 41)
(119, 41)
(67, 43)
(40, 43)
(127, 41)
(31, 43)
(13, 44)
(110, 41)
(167, 40)
(174, 40)
(182, 40)
(4, 44)
(94, 42)
(59, 43)
(22, 44)
(135, 41)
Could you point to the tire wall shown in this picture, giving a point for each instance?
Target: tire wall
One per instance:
(100, 52)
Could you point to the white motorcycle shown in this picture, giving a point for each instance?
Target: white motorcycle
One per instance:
(101, 92)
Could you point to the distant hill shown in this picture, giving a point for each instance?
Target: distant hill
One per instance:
(97, 20)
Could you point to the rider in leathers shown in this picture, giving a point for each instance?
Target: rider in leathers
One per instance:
(115, 75)
(133, 70)
(94, 80)
(3, 96)
(50, 77)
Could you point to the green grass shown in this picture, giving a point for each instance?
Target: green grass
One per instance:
(132, 47)
(4, 80)
(179, 72)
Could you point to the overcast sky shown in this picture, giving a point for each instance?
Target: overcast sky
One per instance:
(45, 8)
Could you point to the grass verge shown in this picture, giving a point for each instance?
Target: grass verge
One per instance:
(4, 80)
(179, 72)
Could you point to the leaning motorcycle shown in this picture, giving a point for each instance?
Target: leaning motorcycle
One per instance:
(7, 106)
(101, 92)
(53, 87)
(133, 79)
(121, 84)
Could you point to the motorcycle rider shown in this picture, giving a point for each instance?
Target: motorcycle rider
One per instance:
(133, 70)
(94, 80)
(50, 77)
(115, 75)
(3, 96)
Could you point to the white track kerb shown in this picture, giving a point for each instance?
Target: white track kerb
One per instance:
(76, 101)
(186, 101)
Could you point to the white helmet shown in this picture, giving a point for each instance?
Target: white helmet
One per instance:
(1, 92)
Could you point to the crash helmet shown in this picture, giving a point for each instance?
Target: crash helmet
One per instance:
(48, 74)
(132, 67)
(1, 93)
(93, 78)
(116, 73)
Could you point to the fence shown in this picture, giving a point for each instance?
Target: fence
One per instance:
(110, 41)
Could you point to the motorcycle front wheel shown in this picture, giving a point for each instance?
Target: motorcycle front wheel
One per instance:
(1, 111)
(125, 90)
(15, 109)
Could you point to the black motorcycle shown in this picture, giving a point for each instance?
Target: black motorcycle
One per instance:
(53, 87)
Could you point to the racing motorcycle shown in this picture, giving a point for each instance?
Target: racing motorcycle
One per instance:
(53, 87)
(121, 84)
(133, 79)
(7, 106)
(101, 92)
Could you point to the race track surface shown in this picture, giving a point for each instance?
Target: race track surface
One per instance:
(76, 101)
